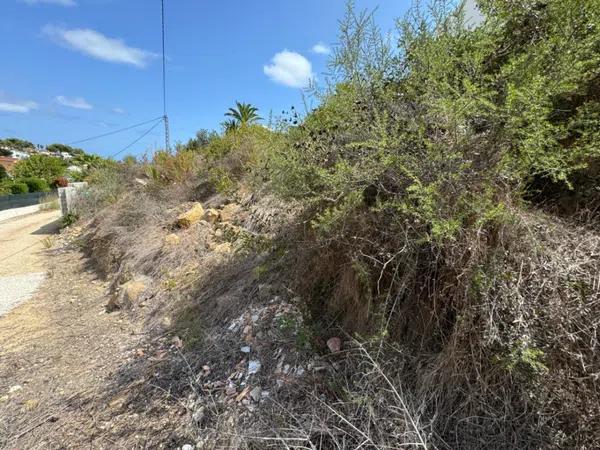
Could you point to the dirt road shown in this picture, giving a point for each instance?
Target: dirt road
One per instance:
(22, 243)
(71, 374)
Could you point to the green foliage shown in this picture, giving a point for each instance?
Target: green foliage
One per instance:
(243, 114)
(16, 144)
(40, 166)
(36, 184)
(525, 360)
(18, 187)
(69, 219)
(3, 173)
(63, 148)
(201, 140)
(167, 167)
(457, 119)
(239, 153)
(5, 152)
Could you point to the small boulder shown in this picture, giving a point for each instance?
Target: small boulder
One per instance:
(191, 216)
(128, 293)
(211, 216)
(229, 211)
(172, 240)
(224, 248)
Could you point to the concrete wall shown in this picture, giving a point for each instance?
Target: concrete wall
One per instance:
(67, 195)
(16, 212)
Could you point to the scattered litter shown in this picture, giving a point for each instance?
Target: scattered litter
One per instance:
(253, 366)
(245, 349)
(255, 394)
(334, 344)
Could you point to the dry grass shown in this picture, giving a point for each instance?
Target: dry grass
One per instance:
(498, 330)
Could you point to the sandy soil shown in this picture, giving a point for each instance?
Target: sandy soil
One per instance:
(21, 242)
(69, 376)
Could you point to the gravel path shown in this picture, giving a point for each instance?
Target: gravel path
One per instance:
(22, 265)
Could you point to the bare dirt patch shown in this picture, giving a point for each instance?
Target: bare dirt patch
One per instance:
(58, 354)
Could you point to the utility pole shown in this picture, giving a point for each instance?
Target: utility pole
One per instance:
(164, 74)
(167, 137)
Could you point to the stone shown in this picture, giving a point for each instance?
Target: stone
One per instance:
(334, 344)
(190, 217)
(245, 349)
(172, 240)
(224, 248)
(211, 216)
(229, 211)
(129, 293)
(187, 447)
(15, 388)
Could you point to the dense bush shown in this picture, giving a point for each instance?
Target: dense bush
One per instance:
(35, 184)
(18, 187)
(3, 173)
(413, 170)
(40, 166)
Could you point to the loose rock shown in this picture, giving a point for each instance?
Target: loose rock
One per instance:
(191, 216)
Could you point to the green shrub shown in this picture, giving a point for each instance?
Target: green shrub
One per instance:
(40, 166)
(69, 219)
(17, 187)
(167, 167)
(35, 184)
(3, 173)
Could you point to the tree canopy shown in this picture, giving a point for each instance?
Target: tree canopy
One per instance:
(40, 166)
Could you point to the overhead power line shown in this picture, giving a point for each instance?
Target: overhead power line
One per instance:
(139, 138)
(115, 132)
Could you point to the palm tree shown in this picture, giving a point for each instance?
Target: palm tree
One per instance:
(243, 114)
(229, 125)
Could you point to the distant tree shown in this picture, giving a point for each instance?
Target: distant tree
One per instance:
(5, 152)
(202, 139)
(63, 148)
(16, 144)
(41, 166)
(129, 160)
(243, 114)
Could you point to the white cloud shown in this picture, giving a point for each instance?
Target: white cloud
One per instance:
(74, 102)
(290, 68)
(118, 110)
(321, 49)
(53, 2)
(18, 107)
(95, 44)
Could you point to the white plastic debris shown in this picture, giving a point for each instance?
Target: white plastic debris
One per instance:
(253, 366)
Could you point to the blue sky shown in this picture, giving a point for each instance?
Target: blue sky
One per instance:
(79, 68)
